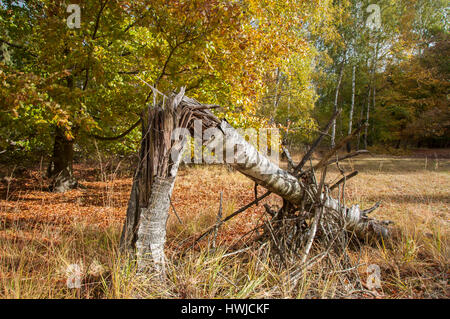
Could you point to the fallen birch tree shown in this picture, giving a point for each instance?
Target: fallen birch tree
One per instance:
(304, 198)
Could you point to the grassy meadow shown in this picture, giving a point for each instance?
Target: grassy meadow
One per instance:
(42, 233)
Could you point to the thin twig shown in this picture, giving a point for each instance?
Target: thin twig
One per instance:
(341, 143)
(368, 211)
(289, 159)
(316, 143)
(236, 252)
(152, 87)
(175, 212)
(240, 210)
(352, 174)
(277, 247)
(218, 223)
(318, 214)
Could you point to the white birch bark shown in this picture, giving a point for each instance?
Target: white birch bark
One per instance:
(255, 165)
(259, 168)
(352, 106)
(333, 127)
(151, 233)
(152, 226)
(374, 66)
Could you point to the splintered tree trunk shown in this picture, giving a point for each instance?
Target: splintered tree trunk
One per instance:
(144, 231)
(60, 168)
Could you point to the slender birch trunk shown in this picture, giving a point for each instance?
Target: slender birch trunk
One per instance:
(373, 84)
(276, 95)
(367, 118)
(333, 128)
(374, 80)
(358, 142)
(352, 107)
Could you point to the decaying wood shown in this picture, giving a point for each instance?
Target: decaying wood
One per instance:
(306, 203)
(318, 213)
(260, 169)
(144, 230)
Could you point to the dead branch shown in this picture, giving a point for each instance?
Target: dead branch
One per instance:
(343, 179)
(219, 221)
(341, 143)
(240, 210)
(316, 143)
(175, 212)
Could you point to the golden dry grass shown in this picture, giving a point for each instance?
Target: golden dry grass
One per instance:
(42, 233)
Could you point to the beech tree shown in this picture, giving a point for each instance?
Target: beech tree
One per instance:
(75, 84)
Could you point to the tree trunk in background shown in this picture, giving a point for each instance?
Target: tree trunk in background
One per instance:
(361, 115)
(367, 116)
(372, 84)
(374, 80)
(277, 95)
(333, 128)
(60, 169)
(350, 116)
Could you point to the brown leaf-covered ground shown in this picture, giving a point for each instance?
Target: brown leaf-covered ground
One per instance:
(41, 233)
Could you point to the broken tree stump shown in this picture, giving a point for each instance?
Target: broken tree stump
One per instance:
(144, 230)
